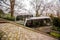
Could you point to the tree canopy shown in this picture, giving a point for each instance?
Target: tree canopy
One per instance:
(35, 7)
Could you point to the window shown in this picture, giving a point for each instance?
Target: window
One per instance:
(38, 22)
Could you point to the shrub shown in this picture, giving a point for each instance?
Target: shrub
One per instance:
(1, 13)
(19, 18)
(56, 23)
(8, 17)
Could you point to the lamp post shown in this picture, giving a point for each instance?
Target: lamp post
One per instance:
(15, 15)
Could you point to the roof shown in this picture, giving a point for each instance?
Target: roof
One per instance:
(42, 17)
(18, 14)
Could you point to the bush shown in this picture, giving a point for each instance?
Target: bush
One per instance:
(19, 18)
(56, 23)
(55, 28)
(8, 17)
(1, 13)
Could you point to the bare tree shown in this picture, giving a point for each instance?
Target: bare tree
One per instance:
(12, 3)
(37, 4)
(58, 10)
(4, 2)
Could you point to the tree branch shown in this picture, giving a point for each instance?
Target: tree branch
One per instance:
(5, 2)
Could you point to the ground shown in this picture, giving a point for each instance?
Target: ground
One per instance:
(15, 32)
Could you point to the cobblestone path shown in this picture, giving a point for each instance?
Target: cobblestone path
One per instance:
(15, 32)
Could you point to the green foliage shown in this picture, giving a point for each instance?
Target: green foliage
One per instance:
(1, 13)
(56, 21)
(56, 27)
(55, 34)
(19, 17)
(8, 17)
(51, 16)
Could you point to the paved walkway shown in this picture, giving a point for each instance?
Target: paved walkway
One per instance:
(14, 32)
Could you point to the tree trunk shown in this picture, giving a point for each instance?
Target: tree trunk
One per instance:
(37, 14)
(12, 2)
(57, 13)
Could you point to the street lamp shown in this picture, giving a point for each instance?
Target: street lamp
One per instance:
(15, 15)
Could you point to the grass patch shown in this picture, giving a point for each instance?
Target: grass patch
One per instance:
(57, 35)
